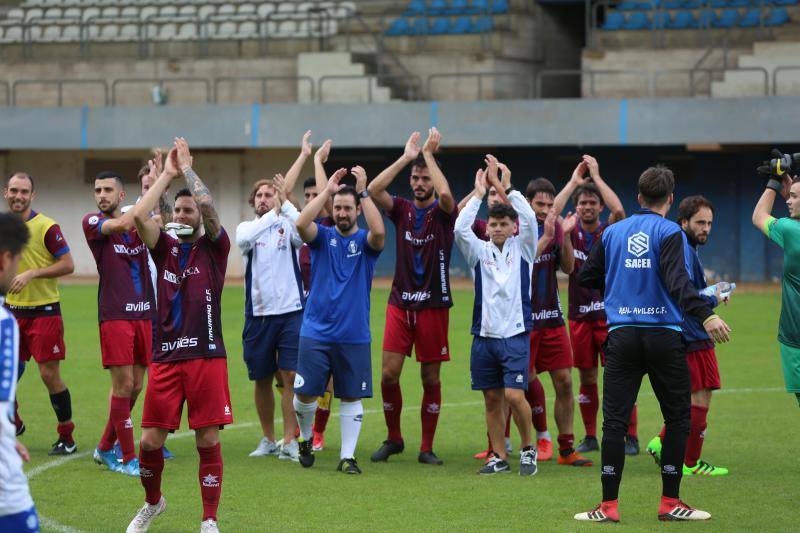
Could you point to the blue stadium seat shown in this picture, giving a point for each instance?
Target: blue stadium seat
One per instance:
(439, 26)
(750, 19)
(637, 20)
(777, 17)
(785, 2)
(399, 26)
(693, 4)
(460, 7)
(415, 7)
(662, 20)
(726, 19)
(614, 21)
(706, 18)
(683, 20)
(739, 3)
(671, 4)
(437, 7)
(718, 3)
(419, 26)
(499, 6)
(482, 25)
(628, 5)
(460, 25)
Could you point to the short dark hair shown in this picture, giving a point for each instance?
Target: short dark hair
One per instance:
(420, 162)
(13, 234)
(539, 185)
(587, 188)
(310, 182)
(503, 211)
(144, 171)
(21, 175)
(656, 184)
(183, 192)
(110, 174)
(349, 189)
(690, 205)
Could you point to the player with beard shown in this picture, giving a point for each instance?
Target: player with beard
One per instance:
(587, 317)
(189, 364)
(695, 216)
(125, 312)
(335, 336)
(418, 312)
(273, 304)
(33, 299)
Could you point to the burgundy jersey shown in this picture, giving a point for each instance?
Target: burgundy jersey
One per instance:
(305, 256)
(190, 281)
(545, 300)
(125, 291)
(585, 305)
(424, 240)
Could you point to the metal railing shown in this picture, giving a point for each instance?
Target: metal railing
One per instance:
(7, 91)
(264, 80)
(479, 77)
(413, 88)
(692, 74)
(776, 73)
(60, 88)
(160, 82)
(591, 74)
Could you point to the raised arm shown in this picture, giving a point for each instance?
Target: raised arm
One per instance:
(149, 229)
(549, 232)
(763, 211)
(377, 189)
(464, 200)
(467, 242)
(377, 232)
(446, 201)
(610, 198)
(297, 167)
(492, 180)
(287, 208)
(199, 190)
(320, 177)
(563, 196)
(528, 228)
(305, 222)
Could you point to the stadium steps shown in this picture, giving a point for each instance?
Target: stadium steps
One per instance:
(355, 88)
(767, 55)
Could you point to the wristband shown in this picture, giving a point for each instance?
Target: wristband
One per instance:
(775, 185)
(509, 190)
(364, 194)
(707, 320)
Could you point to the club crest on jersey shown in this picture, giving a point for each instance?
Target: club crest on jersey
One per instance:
(352, 249)
(93, 220)
(174, 251)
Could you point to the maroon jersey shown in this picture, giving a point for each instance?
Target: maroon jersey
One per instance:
(545, 300)
(424, 240)
(125, 291)
(585, 305)
(305, 256)
(190, 280)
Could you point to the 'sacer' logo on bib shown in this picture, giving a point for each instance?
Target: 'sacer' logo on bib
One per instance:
(639, 244)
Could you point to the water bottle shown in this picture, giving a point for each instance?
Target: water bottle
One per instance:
(725, 289)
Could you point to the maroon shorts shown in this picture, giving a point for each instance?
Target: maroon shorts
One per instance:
(425, 331)
(126, 342)
(41, 338)
(202, 383)
(550, 349)
(587, 340)
(703, 369)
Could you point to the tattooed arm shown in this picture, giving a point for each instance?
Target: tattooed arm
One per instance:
(200, 192)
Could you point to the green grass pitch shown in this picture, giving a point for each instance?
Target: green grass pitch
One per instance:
(751, 423)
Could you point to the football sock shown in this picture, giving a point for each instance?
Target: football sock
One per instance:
(321, 419)
(62, 405)
(350, 416)
(210, 476)
(661, 433)
(305, 416)
(543, 435)
(151, 464)
(672, 454)
(612, 452)
(120, 414)
(109, 436)
(535, 397)
(429, 412)
(697, 433)
(589, 402)
(633, 424)
(65, 430)
(392, 409)
(565, 443)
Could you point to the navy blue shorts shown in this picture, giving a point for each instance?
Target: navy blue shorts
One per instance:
(350, 365)
(24, 522)
(500, 363)
(270, 343)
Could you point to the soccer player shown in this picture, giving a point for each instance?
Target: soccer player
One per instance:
(695, 216)
(502, 317)
(33, 299)
(550, 349)
(418, 311)
(785, 232)
(125, 312)
(189, 362)
(587, 318)
(17, 511)
(273, 306)
(640, 263)
(335, 336)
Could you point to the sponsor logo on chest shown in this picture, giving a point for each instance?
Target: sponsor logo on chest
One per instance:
(177, 279)
(418, 241)
(125, 250)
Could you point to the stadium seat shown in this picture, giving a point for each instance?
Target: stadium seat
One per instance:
(415, 7)
(739, 3)
(785, 2)
(71, 33)
(108, 32)
(52, 33)
(750, 19)
(480, 6)
(167, 11)
(671, 4)
(460, 25)
(34, 13)
(248, 29)
(187, 11)
(683, 20)
(499, 7)
(226, 9)
(459, 7)
(16, 13)
(129, 32)
(706, 18)
(246, 9)
(146, 12)
(437, 7)
(726, 19)
(439, 26)
(662, 20)
(265, 9)
(12, 34)
(777, 17)
(637, 20)
(399, 26)
(482, 24)
(53, 13)
(693, 4)
(614, 21)
(718, 3)
(186, 32)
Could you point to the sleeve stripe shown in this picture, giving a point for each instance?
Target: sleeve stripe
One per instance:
(62, 251)
(8, 352)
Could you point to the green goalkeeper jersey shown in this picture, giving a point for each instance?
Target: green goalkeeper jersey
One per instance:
(785, 232)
